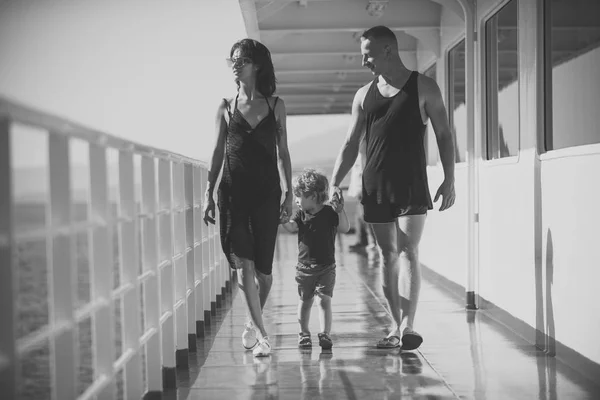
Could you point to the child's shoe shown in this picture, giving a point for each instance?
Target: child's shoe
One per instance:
(325, 341)
(304, 341)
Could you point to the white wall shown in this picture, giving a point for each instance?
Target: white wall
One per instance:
(538, 255)
(149, 71)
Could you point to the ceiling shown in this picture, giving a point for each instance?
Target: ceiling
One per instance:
(315, 44)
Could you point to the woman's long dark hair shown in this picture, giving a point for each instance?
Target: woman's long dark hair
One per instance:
(261, 56)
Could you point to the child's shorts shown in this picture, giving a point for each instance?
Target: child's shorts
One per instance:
(315, 279)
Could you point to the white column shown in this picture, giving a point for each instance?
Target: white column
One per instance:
(101, 270)
(151, 271)
(198, 222)
(128, 240)
(62, 347)
(206, 282)
(473, 150)
(179, 263)
(8, 356)
(167, 284)
(188, 183)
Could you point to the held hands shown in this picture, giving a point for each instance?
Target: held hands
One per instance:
(285, 212)
(337, 199)
(209, 209)
(446, 190)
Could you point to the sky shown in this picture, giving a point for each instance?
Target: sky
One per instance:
(144, 70)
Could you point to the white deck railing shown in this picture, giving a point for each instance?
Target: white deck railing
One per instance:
(137, 325)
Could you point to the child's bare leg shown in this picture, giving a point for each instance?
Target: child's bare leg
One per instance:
(304, 307)
(325, 314)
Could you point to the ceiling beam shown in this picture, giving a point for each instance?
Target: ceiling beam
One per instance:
(320, 84)
(453, 6)
(357, 30)
(324, 71)
(250, 18)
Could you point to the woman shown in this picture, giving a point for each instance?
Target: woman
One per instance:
(252, 138)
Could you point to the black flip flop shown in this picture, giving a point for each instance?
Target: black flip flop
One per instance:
(411, 340)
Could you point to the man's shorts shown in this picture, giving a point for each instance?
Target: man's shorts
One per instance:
(315, 279)
(384, 213)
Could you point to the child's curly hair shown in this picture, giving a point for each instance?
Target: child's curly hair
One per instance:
(311, 182)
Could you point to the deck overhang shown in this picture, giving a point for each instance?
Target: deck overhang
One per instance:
(315, 44)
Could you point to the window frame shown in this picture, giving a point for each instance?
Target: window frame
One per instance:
(545, 146)
(491, 136)
(450, 92)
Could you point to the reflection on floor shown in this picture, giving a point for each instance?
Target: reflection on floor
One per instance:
(464, 355)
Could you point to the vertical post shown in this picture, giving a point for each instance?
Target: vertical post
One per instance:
(198, 222)
(206, 286)
(152, 285)
(167, 296)
(129, 257)
(188, 184)
(101, 267)
(62, 348)
(8, 356)
(179, 262)
(469, 9)
(213, 271)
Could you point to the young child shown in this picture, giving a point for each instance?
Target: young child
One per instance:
(317, 225)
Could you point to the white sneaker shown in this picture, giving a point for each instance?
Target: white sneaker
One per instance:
(263, 349)
(249, 340)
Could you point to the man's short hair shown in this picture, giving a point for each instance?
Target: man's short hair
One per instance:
(380, 32)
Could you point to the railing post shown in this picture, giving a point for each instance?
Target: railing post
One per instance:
(198, 289)
(167, 283)
(101, 269)
(152, 283)
(62, 353)
(130, 263)
(188, 185)
(179, 262)
(8, 356)
(211, 263)
(206, 281)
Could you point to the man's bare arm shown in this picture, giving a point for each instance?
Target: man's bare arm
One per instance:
(436, 111)
(349, 151)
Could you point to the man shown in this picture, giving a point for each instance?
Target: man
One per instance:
(392, 111)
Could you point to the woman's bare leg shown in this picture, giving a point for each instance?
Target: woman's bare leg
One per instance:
(247, 284)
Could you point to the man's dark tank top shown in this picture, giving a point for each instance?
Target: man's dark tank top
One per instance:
(395, 169)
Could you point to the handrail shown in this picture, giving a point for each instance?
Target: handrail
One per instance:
(18, 112)
(171, 272)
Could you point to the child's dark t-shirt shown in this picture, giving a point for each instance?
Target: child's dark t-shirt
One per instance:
(316, 236)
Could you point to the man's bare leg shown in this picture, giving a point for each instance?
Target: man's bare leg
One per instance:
(410, 230)
(387, 241)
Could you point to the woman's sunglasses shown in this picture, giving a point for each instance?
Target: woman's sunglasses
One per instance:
(238, 62)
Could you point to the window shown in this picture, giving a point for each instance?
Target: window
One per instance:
(572, 84)
(431, 150)
(457, 111)
(502, 83)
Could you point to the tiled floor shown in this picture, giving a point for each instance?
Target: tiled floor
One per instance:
(464, 355)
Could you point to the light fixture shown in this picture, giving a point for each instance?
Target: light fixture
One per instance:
(375, 8)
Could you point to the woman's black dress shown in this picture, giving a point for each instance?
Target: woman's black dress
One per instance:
(249, 194)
